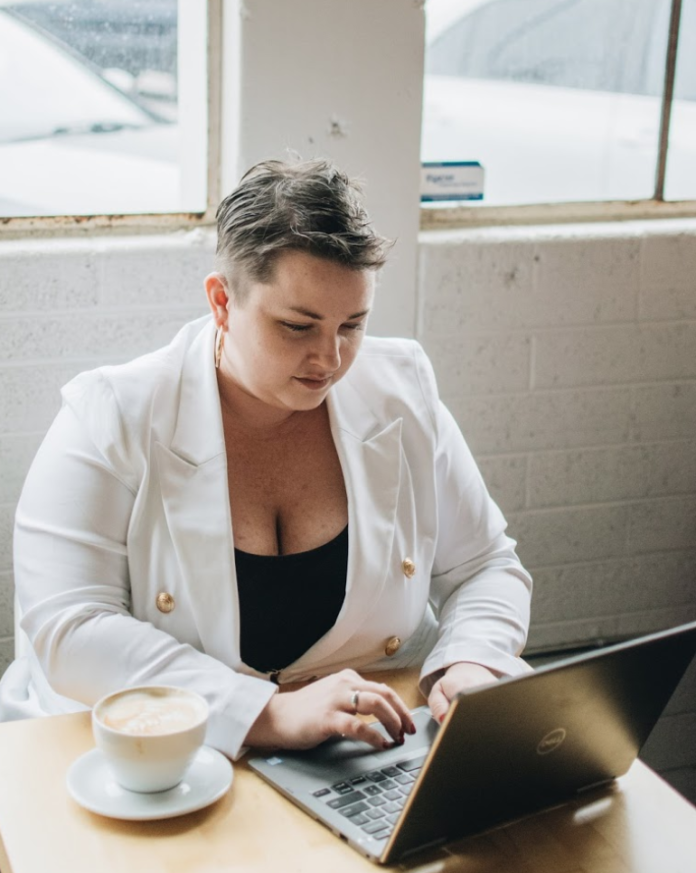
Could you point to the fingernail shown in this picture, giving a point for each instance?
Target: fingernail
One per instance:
(412, 728)
(401, 740)
(440, 719)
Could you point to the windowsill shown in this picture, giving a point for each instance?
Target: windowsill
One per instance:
(454, 217)
(97, 225)
(431, 218)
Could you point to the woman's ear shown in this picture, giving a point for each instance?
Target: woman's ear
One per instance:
(218, 298)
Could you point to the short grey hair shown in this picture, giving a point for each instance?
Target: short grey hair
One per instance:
(308, 206)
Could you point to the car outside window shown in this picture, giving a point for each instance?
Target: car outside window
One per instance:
(92, 124)
(559, 100)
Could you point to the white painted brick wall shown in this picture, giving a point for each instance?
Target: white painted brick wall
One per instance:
(664, 412)
(598, 475)
(6, 596)
(567, 354)
(568, 357)
(67, 306)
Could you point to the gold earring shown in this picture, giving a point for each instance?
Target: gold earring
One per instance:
(219, 342)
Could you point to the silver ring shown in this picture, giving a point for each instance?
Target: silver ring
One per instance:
(354, 698)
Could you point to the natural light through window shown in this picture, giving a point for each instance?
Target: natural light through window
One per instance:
(102, 107)
(559, 100)
(680, 181)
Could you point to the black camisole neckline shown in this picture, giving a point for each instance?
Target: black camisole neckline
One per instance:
(288, 602)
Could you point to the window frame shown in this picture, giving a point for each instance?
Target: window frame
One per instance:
(11, 227)
(452, 217)
(432, 217)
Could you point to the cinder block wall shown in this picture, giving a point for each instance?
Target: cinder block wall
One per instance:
(568, 356)
(67, 306)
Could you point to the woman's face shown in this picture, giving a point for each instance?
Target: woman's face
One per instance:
(289, 341)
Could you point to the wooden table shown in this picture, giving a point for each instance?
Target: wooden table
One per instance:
(639, 826)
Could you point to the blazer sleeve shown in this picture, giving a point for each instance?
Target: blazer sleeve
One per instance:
(71, 569)
(479, 590)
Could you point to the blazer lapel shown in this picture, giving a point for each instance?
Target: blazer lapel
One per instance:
(371, 461)
(193, 477)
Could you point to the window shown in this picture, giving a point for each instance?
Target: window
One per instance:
(680, 181)
(106, 109)
(560, 100)
(104, 104)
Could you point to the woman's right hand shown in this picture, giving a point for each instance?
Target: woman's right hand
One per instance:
(328, 708)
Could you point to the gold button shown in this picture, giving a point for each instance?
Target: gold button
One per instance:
(165, 602)
(408, 567)
(393, 646)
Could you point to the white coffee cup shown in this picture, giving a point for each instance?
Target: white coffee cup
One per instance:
(149, 735)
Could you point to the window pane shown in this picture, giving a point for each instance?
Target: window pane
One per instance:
(91, 121)
(680, 181)
(558, 99)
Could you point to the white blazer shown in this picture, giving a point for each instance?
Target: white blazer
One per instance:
(124, 551)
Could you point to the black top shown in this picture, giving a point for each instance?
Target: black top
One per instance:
(288, 602)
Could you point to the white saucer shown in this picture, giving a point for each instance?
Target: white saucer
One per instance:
(91, 783)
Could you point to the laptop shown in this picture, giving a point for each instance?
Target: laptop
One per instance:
(503, 751)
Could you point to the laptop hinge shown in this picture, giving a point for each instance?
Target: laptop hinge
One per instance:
(599, 784)
(431, 845)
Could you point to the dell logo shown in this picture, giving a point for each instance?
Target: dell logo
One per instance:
(551, 741)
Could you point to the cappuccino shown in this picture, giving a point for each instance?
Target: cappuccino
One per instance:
(151, 711)
(150, 735)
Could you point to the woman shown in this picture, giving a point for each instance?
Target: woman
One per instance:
(270, 497)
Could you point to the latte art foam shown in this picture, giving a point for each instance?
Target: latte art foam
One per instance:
(150, 713)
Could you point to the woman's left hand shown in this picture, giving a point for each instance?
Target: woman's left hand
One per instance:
(458, 677)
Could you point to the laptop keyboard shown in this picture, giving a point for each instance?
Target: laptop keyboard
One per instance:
(373, 801)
